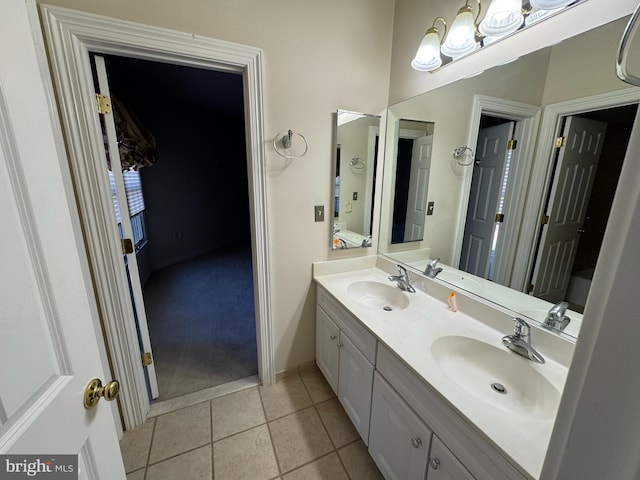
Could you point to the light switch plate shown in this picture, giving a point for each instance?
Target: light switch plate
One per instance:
(319, 213)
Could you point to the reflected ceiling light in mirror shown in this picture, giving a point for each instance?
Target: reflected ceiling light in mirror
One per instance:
(550, 4)
(503, 17)
(428, 55)
(461, 39)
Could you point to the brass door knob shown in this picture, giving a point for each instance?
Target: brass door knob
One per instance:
(94, 391)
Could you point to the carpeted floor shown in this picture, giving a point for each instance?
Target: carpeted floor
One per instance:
(202, 321)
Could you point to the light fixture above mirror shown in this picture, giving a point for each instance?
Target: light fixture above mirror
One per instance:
(466, 35)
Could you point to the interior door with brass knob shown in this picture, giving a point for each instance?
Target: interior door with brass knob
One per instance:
(50, 327)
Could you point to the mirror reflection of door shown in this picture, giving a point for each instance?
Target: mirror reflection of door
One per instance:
(586, 174)
(485, 211)
(413, 166)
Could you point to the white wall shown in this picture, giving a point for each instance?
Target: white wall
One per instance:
(318, 57)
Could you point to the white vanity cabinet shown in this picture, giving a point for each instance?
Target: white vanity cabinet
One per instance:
(443, 465)
(398, 440)
(346, 353)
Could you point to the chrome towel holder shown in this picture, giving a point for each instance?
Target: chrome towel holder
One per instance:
(285, 140)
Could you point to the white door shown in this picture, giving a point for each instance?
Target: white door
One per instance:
(399, 440)
(127, 230)
(354, 385)
(418, 188)
(573, 180)
(50, 346)
(443, 465)
(488, 175)
(327, 352)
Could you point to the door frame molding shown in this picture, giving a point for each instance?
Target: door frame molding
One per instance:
(541, 174)
(71, 35)
(527, 118)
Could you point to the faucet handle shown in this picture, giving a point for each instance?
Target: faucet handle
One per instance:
(520, 327)
(433, 263)
(401, 270)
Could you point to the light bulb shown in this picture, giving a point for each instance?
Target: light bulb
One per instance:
(503, 17)
(550, 4)
(428, 55)
(461, 39)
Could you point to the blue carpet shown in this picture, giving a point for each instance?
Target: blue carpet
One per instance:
(202, 321)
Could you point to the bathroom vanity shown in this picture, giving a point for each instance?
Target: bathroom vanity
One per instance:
(433, 393)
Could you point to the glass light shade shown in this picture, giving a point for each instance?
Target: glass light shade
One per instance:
(549, 4)
(428, 55)
(461, 39)
(502, 18)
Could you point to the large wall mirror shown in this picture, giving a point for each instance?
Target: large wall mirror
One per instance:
(524, 164)
(356, 154)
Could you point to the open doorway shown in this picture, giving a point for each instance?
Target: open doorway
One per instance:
(578, 202)
(195, 262)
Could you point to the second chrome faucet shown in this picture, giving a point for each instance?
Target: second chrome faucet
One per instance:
(520, 341)
(403, 280)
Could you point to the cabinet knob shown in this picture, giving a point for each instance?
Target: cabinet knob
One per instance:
(333, 337)
(416, 442)
(434, 463)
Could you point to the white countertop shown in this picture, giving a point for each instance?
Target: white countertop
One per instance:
(410, 332)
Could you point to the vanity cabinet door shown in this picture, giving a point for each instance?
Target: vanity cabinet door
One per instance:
(354, 386)
(443, 465)
(399, 440)
(327, 352)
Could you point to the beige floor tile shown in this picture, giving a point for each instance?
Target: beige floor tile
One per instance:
(235, 413)
(182, 430)
(137, 475)
(246, 455)
(299, 438)
(325, 468)
(358, 463)
(317, 385)
(284, 397)
(339, 426)
(135, 446)
(193, 465)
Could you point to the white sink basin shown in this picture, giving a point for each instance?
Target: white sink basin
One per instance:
(460, 280)
(477, 367)
(378, 295)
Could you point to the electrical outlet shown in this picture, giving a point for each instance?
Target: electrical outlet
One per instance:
(430, 208)
(319, 213)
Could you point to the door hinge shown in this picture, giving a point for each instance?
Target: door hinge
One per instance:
(147, 359)
(127, 246)
(544, 219)
(512, 144)
(561, 142)
(103, 103)
(499, 217)
(530, 288)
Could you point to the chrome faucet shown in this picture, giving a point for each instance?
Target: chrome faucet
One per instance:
(342, 243)
(403, 280)
(556, 317)
(520, 341)
(432, 268)
(366, 241)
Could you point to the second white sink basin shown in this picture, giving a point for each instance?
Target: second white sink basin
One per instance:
(497, 376)
(378, 295)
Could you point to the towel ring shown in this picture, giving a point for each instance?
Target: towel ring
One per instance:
(285, 139)
(460, 152)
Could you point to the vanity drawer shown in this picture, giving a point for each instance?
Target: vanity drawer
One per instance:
(471, 448)
(357, 333)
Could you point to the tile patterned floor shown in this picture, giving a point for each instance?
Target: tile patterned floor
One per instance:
(293, 430)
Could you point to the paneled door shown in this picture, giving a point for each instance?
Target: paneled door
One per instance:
(50, 342)
(570, 191)
(418, 188)
(486, 183)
